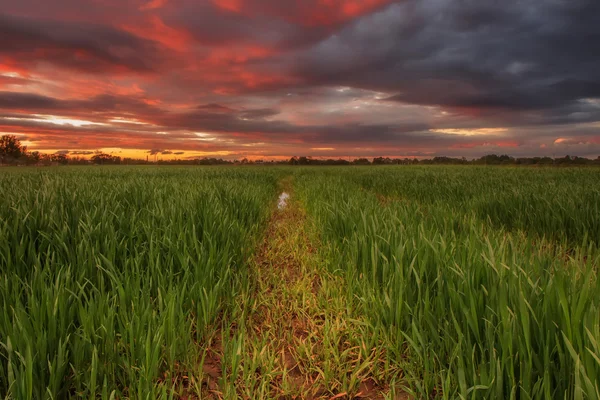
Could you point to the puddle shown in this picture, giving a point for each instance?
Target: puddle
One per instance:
(283, 198)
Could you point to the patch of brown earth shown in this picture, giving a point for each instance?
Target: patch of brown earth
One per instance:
(212, 368)
(289, 317)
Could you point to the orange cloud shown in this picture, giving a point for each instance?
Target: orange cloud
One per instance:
(9, 66)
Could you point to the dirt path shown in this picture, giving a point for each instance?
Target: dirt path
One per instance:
(292, 335)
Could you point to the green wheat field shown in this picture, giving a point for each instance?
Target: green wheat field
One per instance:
(397, 282)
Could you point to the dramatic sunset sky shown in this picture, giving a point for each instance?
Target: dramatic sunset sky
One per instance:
(323, 78)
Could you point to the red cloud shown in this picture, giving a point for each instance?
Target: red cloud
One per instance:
(328, 12)
(153, 4)
(306, 12)
(153, 28)
(229, 5)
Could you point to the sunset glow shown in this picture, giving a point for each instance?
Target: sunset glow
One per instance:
(264, 79)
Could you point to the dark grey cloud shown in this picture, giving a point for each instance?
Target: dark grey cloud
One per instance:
(211, 25)
(259, 113)
(221, 120)
(227, 122)
(511, 56)
(153, 152)
(104, 103)
(214, 107)
(75, 45)
(231, 128)
(17, 100)
(284, 25)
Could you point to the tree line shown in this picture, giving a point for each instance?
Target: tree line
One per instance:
(12, 152)
(490, 159)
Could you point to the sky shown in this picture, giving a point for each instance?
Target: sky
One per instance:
(271, 79)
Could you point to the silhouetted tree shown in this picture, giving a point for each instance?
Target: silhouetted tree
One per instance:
(103, 158)
(78, 161)
(33, 158)
(381, 161)
(60, 158)
(11, 149)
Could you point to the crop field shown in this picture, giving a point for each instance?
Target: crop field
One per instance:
(397, 282)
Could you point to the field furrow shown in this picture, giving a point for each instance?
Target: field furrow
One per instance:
(294, 334)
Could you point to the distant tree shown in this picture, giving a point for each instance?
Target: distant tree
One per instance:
(60, 158)
(33, 158)
(382, 161)
(103, 158)
(45, 159)
(361, 161)
(405, 161)
(339, 161)
(11, 149)
(78, 161)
